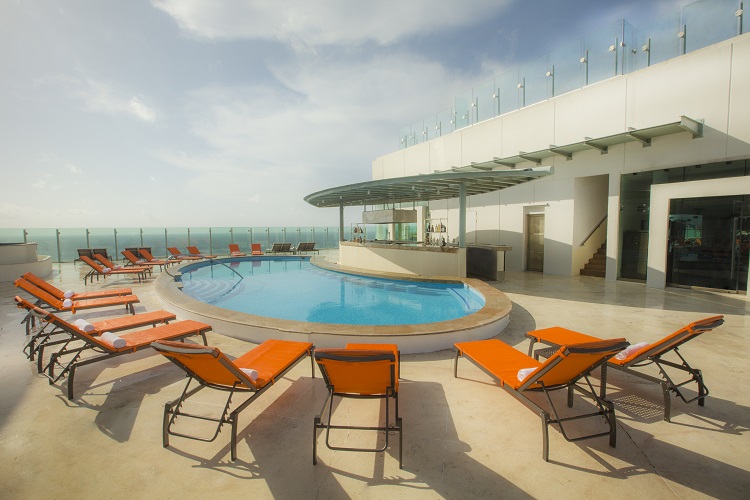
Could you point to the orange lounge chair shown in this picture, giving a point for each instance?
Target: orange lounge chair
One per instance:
(43, 297)
(108, 345)
(254, 372)
(56, 292)
(97, 270)
(134, 261)
(562, 370)
(179, 256)
(643, 354)
(256, 249)
(146, 254)
(368, 371)
(197, 253)
(103, 260)
(234, 250)
(57, 331)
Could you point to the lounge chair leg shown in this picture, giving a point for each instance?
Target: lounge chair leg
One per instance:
(233, 441)
(667, 402)
(455, 364)
(612, 423)
(316, 424)
(545, 436)
(570, 396)
(701, 388)
(165, 427)
(400, 424)
(71, 374)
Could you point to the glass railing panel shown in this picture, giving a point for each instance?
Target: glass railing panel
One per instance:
(657, 42)
(507, 87)
(708, 22)
(261, 235)
(419, 132)
(128, 237)
(177, 237)
(602, 53)
(566, 67)
(46, 240)
(275, 235)
(534, 80)
(484, 99)
(444, 123)
(241, 236)
(197, 237)
(220, 239)
(464, 110)
(155, 238)
(71, 239)
(629, 49)
(104, 238)
(404, 137)
(9, 235)
(292, 235)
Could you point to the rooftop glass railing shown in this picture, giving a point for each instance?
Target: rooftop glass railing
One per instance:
(614, 50)
(63, 243)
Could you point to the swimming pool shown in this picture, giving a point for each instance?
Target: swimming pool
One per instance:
(293, 289)
(487, 322)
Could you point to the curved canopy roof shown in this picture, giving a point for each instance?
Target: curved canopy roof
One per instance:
(436, 186)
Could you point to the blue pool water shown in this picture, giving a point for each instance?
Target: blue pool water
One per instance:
(294, 289)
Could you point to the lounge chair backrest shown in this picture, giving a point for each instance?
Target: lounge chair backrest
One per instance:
(571, 362)
(105, 261)
(234, 247)
(311, 246)
(208, 364)
(302, 247)
(130, 256)
(36, 280)
(194, 250)
(37, 292)
(256, 247)
(174, 251)
(285, 247)
(675, 339)
(47, 316)
(146, 254)
(95, 265)
(85, 251)
(351, 371)
(276, 247)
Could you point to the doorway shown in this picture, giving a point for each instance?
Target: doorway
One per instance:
(535, 242)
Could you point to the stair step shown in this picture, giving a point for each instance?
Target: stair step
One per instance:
(594, 273)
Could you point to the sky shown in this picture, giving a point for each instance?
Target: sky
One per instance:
(174, 113)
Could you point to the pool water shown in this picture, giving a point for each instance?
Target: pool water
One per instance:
(294, 289)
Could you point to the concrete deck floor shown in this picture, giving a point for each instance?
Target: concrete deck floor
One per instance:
(463, 437)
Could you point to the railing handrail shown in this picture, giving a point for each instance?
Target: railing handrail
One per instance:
(588, 237)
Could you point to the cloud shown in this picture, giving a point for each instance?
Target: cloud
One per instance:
(301, 24)
(100, 97)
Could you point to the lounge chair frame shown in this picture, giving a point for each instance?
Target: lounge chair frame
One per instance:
(653, 355)
(606, 408)
(390, 392)
(243, 384)
(96, 271)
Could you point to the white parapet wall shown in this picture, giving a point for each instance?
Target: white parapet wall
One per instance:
(19, 258)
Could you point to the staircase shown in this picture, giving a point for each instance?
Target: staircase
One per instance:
(597, 266)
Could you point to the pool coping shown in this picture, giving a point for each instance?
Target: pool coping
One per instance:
(428, 337)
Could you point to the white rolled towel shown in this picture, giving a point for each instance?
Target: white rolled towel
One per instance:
(625, 353)
(69, 294)
(140, 261)
(113, 340)
(67, 303)
(525, 372)
(106, 270)
(251, 374)
(84, 325)
(117, 267)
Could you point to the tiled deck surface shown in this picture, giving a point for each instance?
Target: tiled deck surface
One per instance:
(463, 437)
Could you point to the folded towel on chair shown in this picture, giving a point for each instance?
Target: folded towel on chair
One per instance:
(525, 372)
(251, 374)
(84, 325)
(117, 267)
(106, 270)
(625, 353)
(67, 303)
(113, 340)
(69, 294)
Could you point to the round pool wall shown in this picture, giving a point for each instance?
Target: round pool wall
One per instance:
(489, 321)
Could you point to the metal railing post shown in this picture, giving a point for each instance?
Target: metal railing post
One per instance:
(116, 249)
(88, 243)
(57, 233)
(141, 236)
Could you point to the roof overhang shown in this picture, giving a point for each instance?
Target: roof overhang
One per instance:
(602, 144)
(436, 186)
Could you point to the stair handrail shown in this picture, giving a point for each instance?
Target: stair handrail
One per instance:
(588, 237)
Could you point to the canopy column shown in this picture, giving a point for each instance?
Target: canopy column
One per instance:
(341, 222)
(462, 215)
